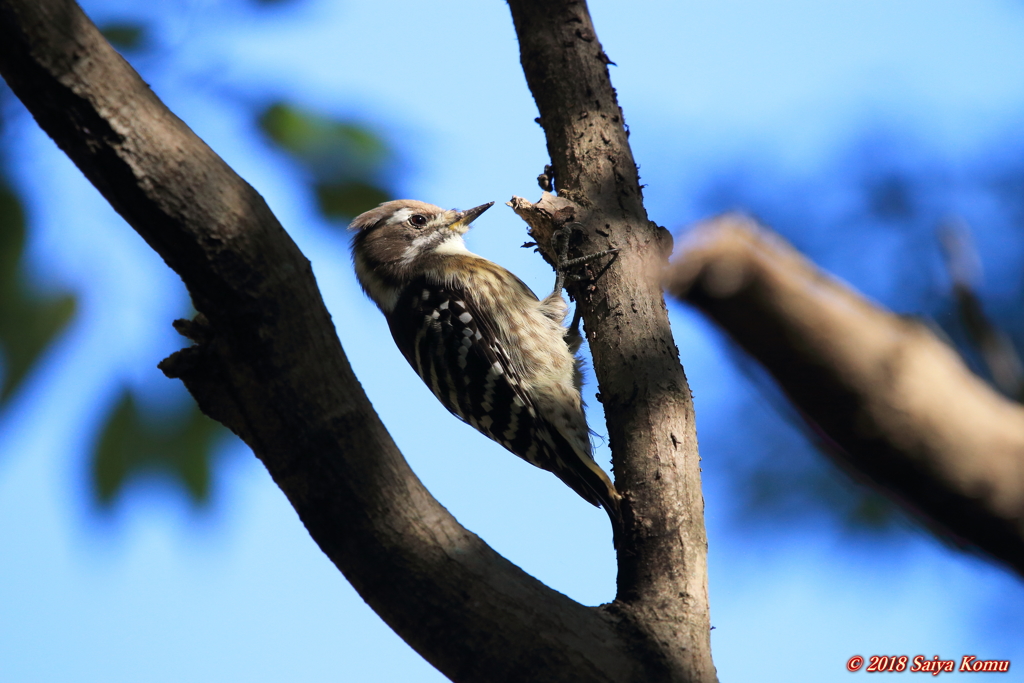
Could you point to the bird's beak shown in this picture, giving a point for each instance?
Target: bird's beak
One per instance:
(464, 218)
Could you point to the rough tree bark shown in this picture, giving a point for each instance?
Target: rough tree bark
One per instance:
(898, 404)
(268, 364)
(662, 580)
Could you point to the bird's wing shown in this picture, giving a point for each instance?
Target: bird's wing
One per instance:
(456, 350)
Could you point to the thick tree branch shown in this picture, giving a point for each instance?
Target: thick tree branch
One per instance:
(901, 406)
(268, 364)
(662, 584)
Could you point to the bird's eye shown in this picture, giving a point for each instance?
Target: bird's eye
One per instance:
(418, 220)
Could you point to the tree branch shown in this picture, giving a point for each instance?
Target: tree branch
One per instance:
(268, 364)
(900, 405)
(662, 583)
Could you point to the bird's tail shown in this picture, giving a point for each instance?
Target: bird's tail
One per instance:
(586, 478)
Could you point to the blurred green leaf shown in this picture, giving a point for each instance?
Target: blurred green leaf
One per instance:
(28, 320)
(348, 199)
(347, 160)
(125, 36)
(26, 329)
(135, 442)
(12, 232)
(312, 137)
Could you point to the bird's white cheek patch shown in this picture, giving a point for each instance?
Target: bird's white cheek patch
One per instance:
(453, 245)
(384, 296)
(436, 243)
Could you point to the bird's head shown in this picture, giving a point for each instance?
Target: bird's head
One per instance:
(405, 230)
(394, 242)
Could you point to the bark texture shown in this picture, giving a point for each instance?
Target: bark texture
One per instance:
(662, 581)
(268, 364)
(899, 404)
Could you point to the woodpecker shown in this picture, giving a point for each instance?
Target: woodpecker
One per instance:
(495, 355)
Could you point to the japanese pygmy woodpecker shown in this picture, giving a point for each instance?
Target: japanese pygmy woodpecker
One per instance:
(489, 350)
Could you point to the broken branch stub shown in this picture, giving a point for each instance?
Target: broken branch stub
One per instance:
(544, 218)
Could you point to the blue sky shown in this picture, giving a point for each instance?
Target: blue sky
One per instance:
(158, 591)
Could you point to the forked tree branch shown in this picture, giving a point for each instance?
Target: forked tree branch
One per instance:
(899, 404)
(268, 364)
